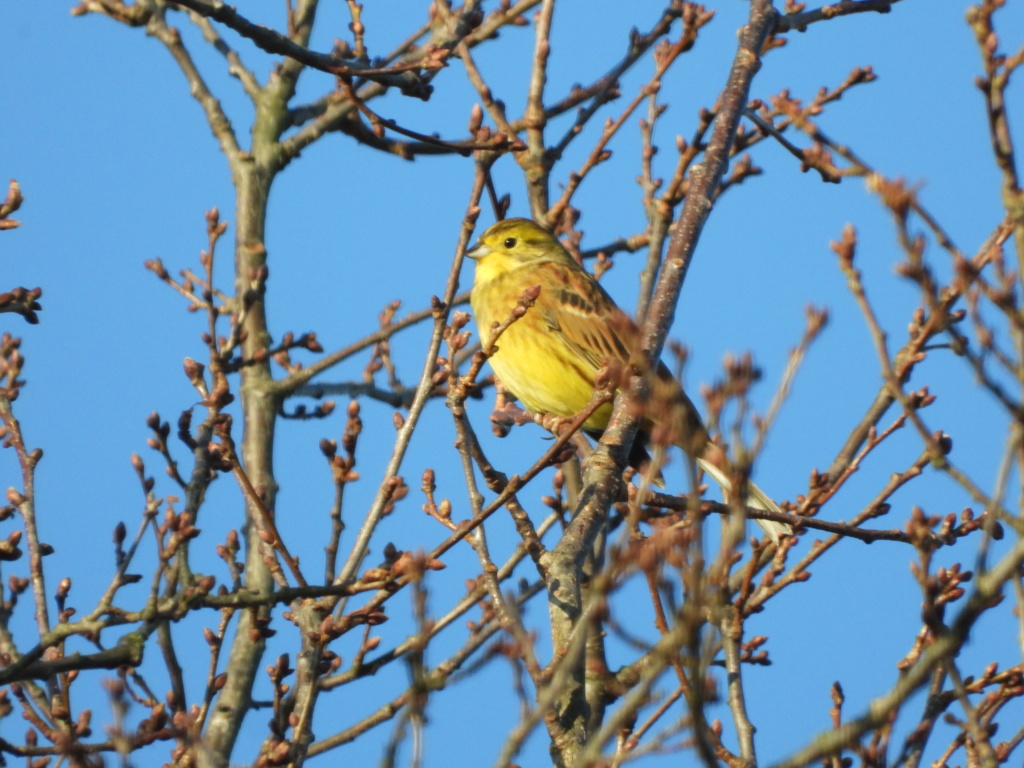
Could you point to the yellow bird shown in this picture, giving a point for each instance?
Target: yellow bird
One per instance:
(550, 357)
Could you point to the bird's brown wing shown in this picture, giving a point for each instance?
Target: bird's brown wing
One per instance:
(582, 313)
(584, 316)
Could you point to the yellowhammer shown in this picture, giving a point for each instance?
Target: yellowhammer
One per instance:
(550, 357)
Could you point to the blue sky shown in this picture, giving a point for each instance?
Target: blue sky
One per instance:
(118, 166)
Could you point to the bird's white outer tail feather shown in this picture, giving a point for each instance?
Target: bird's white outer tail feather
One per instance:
(755, 498)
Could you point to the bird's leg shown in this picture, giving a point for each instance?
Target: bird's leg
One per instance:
(556, 425)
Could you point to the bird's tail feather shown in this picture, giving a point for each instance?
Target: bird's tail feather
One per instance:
(755, 497)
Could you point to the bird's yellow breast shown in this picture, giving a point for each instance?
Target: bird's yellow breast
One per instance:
(532, 361)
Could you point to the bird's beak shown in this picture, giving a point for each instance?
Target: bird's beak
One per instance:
(478, 251)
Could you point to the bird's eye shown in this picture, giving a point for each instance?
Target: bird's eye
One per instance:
(510, 242)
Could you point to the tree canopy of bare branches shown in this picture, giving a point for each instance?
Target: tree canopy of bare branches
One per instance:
(349, 543)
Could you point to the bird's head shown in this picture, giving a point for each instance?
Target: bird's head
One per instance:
(516, 242)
